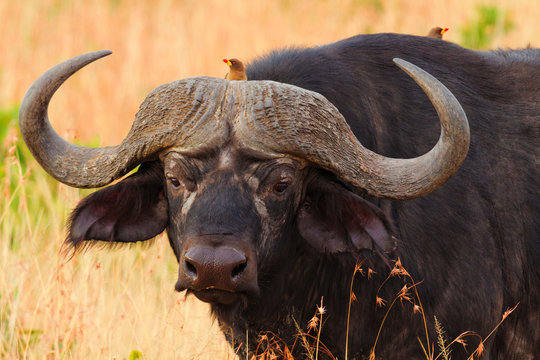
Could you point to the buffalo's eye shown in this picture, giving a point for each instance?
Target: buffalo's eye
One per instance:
(280, 187)
(174, 182)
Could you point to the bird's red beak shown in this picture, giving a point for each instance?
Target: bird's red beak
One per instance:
(226, 61)
(444, 30)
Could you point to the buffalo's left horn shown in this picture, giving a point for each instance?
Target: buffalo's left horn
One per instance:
(306, 125)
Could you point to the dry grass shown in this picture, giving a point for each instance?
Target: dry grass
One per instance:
(106, 304)
(99, 305)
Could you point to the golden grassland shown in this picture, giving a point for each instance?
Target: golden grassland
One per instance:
(104, 304)
(98, 305)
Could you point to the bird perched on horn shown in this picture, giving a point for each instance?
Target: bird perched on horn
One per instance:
(236, 71)
(437, 32)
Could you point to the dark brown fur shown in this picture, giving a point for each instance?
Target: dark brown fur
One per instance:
(473, 244)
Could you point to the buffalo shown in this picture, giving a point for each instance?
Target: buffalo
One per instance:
(329, 163)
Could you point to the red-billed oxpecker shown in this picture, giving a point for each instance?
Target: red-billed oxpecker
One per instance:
(237, 71)
(437, 32)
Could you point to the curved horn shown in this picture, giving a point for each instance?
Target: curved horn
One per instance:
(71, 164)
(288, 128)
(159, 124)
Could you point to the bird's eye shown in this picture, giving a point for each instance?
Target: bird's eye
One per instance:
(234, 62)
(280, 187)
(174, 182)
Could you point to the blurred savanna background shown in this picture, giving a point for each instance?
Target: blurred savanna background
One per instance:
(121, 304)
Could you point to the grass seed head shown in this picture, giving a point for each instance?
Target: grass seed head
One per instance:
(358, 269)
(313, 322)
(462, 341)
(479, 350)
(509, 311)
(395, 272)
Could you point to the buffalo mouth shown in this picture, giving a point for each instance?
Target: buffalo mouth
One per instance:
(217, 296)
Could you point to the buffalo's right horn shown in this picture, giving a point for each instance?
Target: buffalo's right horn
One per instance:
(71, 164)
(179, 113)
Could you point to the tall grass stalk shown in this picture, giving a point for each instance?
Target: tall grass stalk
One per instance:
(320, 310)
(444, 351)
(480, 349)
(352, 298)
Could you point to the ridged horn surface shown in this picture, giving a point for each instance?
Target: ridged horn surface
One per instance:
(283, 120)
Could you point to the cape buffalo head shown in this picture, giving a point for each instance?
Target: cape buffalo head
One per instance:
(238, 173)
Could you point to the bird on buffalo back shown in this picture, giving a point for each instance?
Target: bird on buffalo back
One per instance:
(237, 70)
(437, 32)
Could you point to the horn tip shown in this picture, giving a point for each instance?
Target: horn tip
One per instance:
(409, 68)
(102, 53)
(401, 63)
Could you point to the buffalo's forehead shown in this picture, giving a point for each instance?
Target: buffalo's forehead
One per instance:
(200, 113)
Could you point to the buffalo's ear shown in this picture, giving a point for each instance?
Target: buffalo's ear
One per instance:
(333, 219)
(134, 209)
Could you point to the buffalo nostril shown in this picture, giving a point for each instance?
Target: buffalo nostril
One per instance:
(190, 268)
(238, 269)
